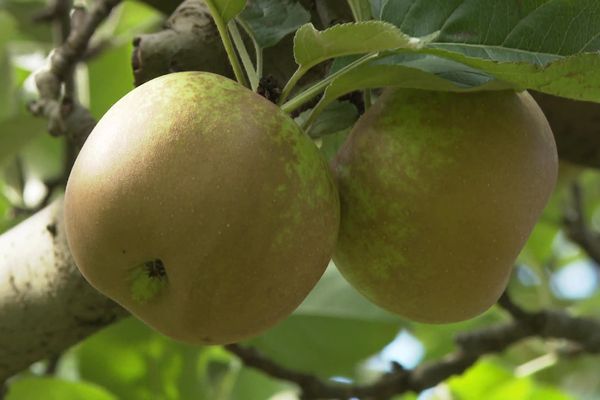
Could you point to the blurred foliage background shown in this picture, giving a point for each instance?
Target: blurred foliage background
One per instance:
(334, 334)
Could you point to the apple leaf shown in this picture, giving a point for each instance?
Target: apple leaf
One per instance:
(227, 9)
(550, 45)
(55, 389)
(543, 26)
(490, 380)
(137, 363)
(16, 132)
(315, 338)
(339, 116)
(409, 71)
(312, 47)
(576, 77)
(270, 21)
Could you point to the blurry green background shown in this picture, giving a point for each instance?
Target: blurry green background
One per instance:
(334, 334)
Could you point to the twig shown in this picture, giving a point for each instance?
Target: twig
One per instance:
(583, 333)
(57, 103)
(577, 228)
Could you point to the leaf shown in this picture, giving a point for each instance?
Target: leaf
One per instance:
(479, 380)
(16, 132)
(576, 77)
(339, 116)
(312, 47)
(489, 380)
(545, 45)
(315, 338)
(43, 157)
(438, 340)
(55, 389)
(109, 78)
(252, 384)
(270, 21)
(7, 32)
(136, 363)
(331, 143)
(227, 9)
(538, 26)
(409, 71)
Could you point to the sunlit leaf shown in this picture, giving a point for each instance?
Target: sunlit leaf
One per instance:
(312, 47)
(55, 389)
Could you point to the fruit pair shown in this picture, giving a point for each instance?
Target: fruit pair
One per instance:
(205, 211)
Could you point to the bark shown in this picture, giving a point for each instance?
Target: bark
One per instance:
(45, 304)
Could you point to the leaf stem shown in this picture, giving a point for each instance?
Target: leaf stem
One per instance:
(258, 50)
(243, 52)
(226, 39)
(311, 92)
(289, 86)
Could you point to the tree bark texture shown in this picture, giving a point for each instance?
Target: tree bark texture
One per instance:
(45, 304)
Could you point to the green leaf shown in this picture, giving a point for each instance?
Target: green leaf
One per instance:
(576, 77)
(5, 206)
(525, 389)
(109, 78)
(479, 381)
(43, 157)
(136, 363)
(315, 338)
(545, 45)
(408, 71)
(538, 26)
(339, 116)
(489, 380)
(18, 131)
(312, 47)
(7, 32)
(438, 340)
(539, 248)
(270, 21)
(331, 143)
(227, 9)
(252, 384)
(55, 389)
(27, 29)
(134, 15)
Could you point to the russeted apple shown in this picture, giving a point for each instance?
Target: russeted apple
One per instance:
(439, 192)
(201, 208)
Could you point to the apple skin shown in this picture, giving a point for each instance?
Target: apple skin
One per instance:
(222, 187)
(439, 192)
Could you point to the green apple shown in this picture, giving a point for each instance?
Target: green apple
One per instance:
(439, 192)
(201, 208)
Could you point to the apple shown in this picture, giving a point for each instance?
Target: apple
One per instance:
(439, 192)
(201, 208)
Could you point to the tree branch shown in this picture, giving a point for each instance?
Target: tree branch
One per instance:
(577, 229)
(65, 115)
(471, 346)
(45, 304)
